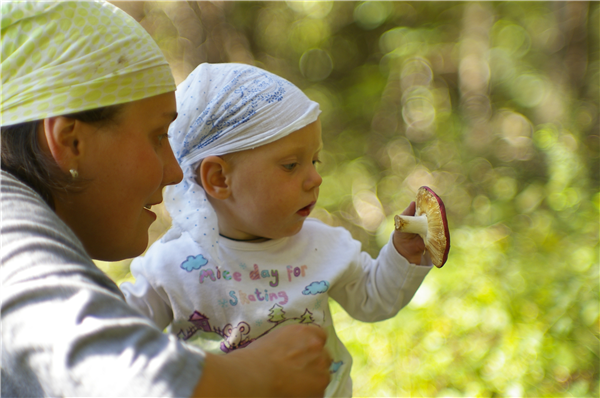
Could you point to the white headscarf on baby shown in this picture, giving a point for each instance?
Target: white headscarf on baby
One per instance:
(225, 108)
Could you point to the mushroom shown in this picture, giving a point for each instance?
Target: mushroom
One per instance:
(430, 223)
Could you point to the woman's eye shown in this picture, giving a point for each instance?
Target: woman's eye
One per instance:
(162, 137)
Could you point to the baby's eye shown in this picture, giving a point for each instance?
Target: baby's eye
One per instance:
(290, 166)
(316, 161)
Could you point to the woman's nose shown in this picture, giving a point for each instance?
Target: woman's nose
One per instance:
(172, 172)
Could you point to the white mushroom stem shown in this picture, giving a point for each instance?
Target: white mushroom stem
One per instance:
(412, 224)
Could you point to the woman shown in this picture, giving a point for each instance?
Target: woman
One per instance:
(87, 99)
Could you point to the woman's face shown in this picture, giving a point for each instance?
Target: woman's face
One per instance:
(128, 163)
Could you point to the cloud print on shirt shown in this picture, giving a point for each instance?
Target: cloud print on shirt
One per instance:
(316, 288)
(194, 262)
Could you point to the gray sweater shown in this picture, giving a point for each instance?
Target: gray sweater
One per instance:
(66, 330)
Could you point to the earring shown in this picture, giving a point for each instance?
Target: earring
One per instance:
(74, 173)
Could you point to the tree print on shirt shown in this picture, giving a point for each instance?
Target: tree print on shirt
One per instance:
(238, 336)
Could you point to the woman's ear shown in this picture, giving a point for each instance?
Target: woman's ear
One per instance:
(60, 137)
(213, 176)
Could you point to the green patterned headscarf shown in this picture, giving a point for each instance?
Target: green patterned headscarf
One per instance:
(71, 56)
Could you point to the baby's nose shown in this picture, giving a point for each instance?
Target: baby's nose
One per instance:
(314, 180)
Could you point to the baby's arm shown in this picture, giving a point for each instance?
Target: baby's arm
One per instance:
(410, 246)
(370, 289)
(143, 297)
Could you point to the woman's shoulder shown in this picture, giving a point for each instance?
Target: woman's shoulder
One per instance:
(25, 212)
(35, 241)
(15, 190)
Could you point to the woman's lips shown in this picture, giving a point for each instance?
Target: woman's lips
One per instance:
(150, 213)
(148, 210)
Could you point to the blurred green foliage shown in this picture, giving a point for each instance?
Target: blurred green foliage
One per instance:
(492, 104)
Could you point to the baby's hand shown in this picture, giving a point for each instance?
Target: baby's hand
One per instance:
(410, 246)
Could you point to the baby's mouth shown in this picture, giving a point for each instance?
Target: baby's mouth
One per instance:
(305, 211)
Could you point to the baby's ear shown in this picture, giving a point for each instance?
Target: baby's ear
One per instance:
(212, 175)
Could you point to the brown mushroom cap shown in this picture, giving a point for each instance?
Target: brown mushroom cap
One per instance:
(437, 241)
(437, 236)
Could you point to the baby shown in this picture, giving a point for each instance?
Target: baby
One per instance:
(242, 258)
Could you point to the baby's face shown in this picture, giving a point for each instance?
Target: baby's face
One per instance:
(274, 187)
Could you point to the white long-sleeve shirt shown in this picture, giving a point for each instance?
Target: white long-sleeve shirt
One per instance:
(258, 287)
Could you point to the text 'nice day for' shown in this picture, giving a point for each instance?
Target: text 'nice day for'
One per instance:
(216, 273)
